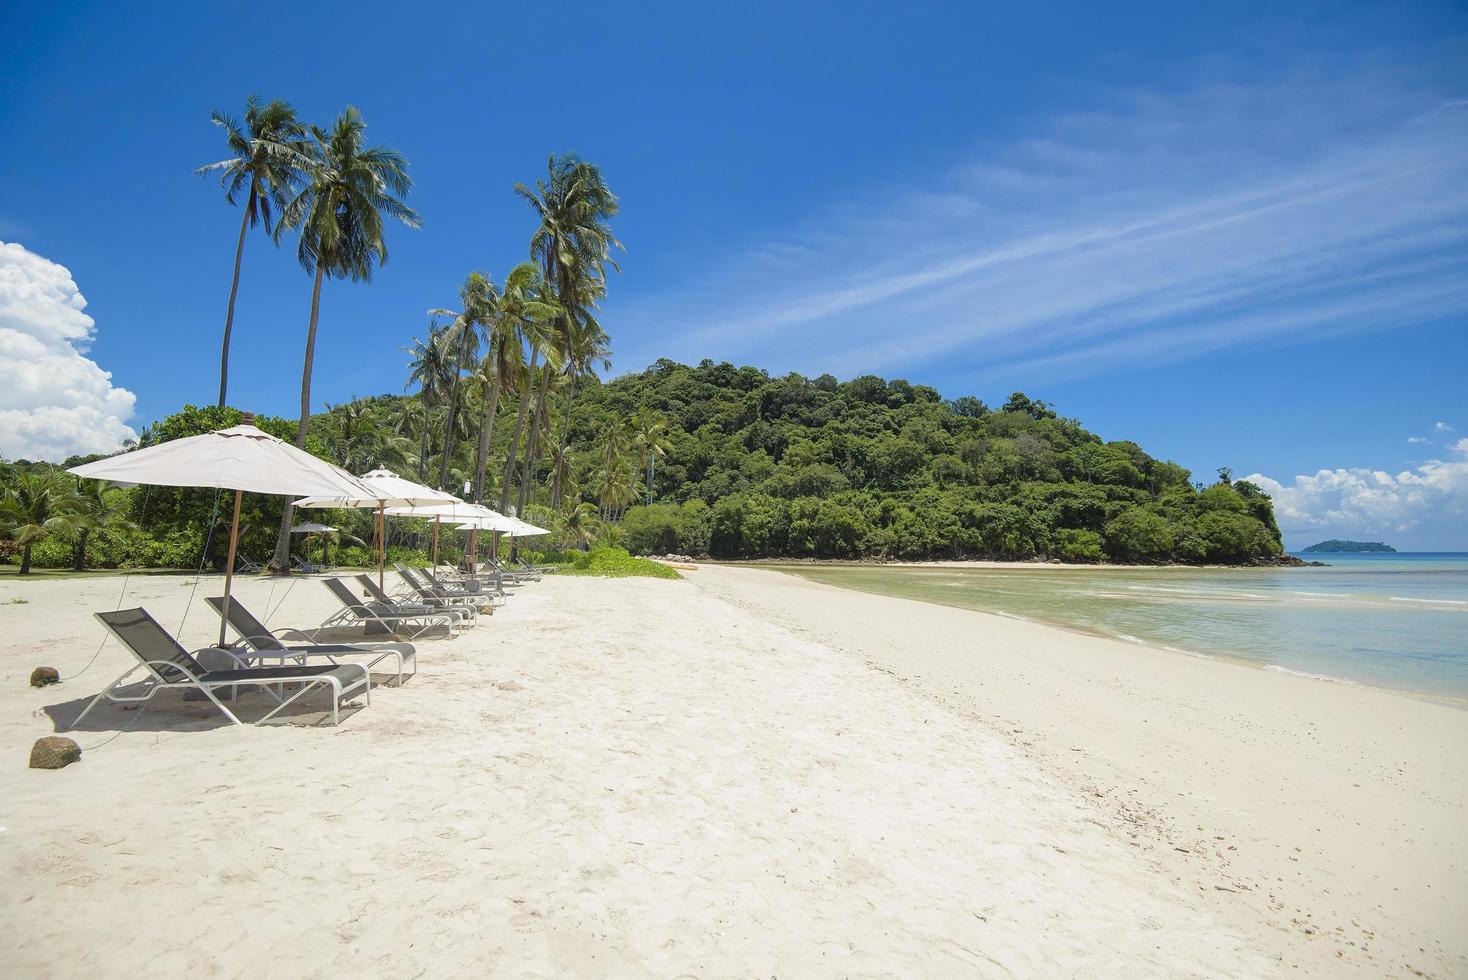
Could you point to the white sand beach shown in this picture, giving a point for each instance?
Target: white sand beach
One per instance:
(741, 773)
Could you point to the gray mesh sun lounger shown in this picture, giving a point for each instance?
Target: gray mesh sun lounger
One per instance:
(355, 612)
(169, 665)
(266, 645)
(423, 585)
(466, 614)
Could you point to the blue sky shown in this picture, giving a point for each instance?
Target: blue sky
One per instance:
(1237, 235)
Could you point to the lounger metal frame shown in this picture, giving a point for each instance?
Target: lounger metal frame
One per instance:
(156, 681)
(355, 613)
(268, 645)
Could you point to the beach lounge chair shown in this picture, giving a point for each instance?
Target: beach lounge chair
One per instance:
(168, 665)
(468, 614)
(305, 566)
(533, 571)
(265, 645)
(512, 576)
(246, 566)
(469, 592)
(355, 612)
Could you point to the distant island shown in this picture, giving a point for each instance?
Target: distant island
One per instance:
(1338, 547)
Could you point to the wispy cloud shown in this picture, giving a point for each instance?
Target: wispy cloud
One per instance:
(1166, 227)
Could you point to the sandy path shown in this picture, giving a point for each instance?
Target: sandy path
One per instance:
(1335, 816)
(625, 777)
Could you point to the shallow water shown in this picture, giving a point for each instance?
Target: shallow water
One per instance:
(1394, 620)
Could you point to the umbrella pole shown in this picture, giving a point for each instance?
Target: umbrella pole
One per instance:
(381, 543)
(436, 521)
(234, 539)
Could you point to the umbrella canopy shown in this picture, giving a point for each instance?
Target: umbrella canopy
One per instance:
(491, 521)
(523, 530)
(310, 527)
(456, 513)
(241, 458)
(383, 489)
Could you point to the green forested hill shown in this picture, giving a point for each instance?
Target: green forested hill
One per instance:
(745, 466)
(791, 466)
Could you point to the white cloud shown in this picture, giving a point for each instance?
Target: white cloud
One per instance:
(54, 400)
(1163, 228)
(1442, 427)
(1433, 498)
(1416, 440)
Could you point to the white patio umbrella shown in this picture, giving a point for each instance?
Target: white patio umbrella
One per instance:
(382, 489)
(241, 458)
(522, 529)
(457, 511)
(310, 527)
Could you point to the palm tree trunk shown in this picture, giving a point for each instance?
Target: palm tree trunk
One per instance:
(509, 473)
(448, 435)
(282, 559)
(651, 462)
(486, 432)
(234, 287)
(423, 445)
(532, 441)
(25, 559)
(81, 550)
(561, 442)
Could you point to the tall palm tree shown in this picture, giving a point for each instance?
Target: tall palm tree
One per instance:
(650, 439)
(520, 315)
(614, 480)
(427, 370)
(35, 503)
(586, 351)
(348, 190)
(478, 296)
(562, 472)
(271, 176)
(539, 336)
(572, 244)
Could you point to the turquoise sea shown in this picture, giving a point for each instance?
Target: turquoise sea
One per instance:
(1389, 620)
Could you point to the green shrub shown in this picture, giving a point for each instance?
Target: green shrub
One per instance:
(1078, 545)
(616, 563)
(1138, 534)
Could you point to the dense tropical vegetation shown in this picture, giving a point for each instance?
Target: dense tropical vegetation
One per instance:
(502, 401)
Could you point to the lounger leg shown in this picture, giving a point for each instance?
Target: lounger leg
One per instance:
(107, 693)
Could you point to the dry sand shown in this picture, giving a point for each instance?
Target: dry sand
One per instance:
(708, 777)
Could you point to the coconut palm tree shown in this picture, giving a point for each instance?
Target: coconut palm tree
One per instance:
(427, 370)
(580, 525)
(348, 190)
(649, 437)
(572, 244)
(562, 471)
(520, 316)
(98, 507)
(614, 479)
(587, 351)
(541, 344)
(256, 162)
(35, 503)
(479, 297)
